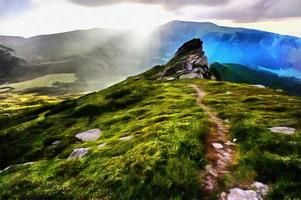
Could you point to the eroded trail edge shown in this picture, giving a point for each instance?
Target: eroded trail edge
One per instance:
(219, 150)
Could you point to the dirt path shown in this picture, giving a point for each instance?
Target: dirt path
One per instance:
(219, 150)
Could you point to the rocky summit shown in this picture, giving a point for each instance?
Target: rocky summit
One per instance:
(189, 62)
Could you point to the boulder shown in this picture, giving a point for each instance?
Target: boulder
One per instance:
(78, 153)
(283, 130)
(90, 135)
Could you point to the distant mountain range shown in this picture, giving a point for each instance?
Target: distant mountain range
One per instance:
(101, 57)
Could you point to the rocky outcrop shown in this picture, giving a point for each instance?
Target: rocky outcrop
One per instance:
(191, 63)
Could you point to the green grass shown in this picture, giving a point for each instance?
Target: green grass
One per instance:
(162, 161)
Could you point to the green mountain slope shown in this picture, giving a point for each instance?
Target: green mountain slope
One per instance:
(242, 74)
(153, 142)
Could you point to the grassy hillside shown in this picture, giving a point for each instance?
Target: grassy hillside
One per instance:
(153, 142)
(165, 157)
(165, 154)
(272, 158)
(243, 74)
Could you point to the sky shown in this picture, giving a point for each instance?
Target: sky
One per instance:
(35, 17)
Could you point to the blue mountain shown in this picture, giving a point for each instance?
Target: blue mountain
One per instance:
(280, 54)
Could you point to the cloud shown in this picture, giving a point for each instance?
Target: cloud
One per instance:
(258, 10)
(248, 11)
(169, 4)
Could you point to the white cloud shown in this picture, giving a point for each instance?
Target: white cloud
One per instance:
(60, 16)
(45, 16)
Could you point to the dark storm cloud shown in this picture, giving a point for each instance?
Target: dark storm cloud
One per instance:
(14, 7)
(171, 4)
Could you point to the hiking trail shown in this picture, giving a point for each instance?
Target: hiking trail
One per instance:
(219, 150)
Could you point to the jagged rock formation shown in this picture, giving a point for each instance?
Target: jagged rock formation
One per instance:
(190, 62)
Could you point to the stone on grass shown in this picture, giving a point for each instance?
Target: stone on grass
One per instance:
(57, 142)
(283, 130)
(239, 194)
(18, 165)
(102, 145)
(217, 145)
(127, 138)
(90, 135)
(260, 188)
(78, 153)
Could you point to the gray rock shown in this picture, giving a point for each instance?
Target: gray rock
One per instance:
(217, 145)
(283, 130)
(90, 135)
(18, 165)
(191, 76)
(196, 70)
(189, 66)
(78, 153)
(169, 78)
(57, 142)
(127, 138)
(193, 63)
(181, 71)
(239, 194)
(260, 188)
